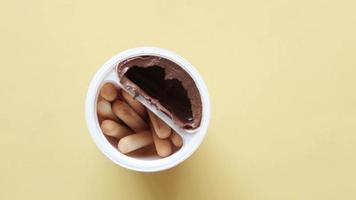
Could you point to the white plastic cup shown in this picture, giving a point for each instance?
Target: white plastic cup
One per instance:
(191, 139)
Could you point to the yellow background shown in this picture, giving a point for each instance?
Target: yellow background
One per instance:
(281, 75)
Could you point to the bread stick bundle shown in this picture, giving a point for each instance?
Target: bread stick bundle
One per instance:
(131, 128)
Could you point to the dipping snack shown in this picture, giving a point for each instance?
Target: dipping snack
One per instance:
(147, 109)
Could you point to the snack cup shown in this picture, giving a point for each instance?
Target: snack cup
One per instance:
(191, 138)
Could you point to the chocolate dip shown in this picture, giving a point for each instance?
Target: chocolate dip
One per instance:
(165, 85)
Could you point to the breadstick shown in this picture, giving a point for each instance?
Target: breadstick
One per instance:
(104, 110)
(163, 146)
(129, 116)
(112, 128)
(135, 141)
(108, 92)
(136, 105)
(162, 129)
(176, 139)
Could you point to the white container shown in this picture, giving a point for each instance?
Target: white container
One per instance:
(191, 139)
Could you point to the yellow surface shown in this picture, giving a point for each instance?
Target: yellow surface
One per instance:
(282, 79)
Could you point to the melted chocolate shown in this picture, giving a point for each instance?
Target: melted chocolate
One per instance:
(166, 85)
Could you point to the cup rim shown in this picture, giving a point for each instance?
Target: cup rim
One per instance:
(133, 163)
